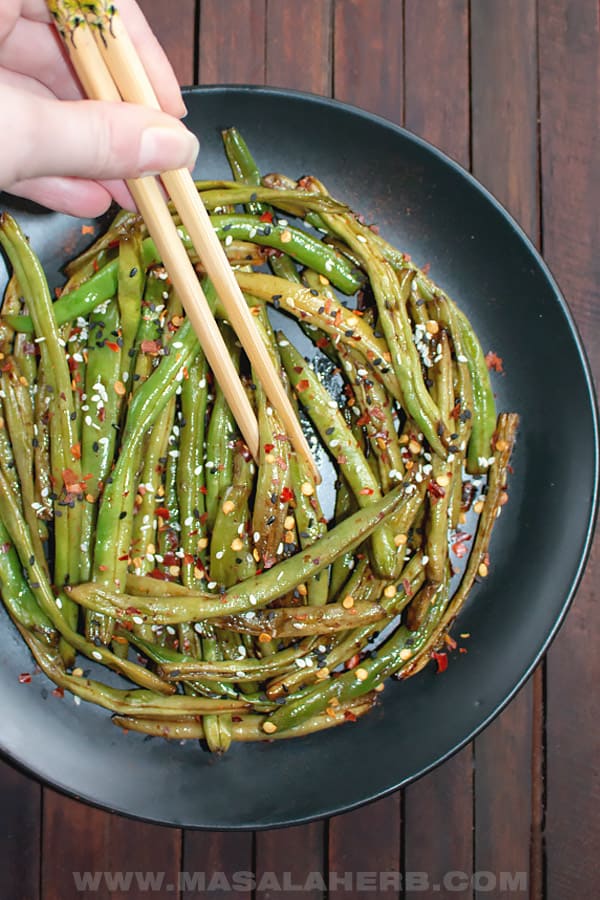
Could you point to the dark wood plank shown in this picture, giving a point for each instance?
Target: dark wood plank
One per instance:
(216, 857)
(291, 859)
(441, 800)
(232, 42)
(366, 841)
(19, 834)
(437, 108)
(175, 26)
(127, 858)
(505, 156)
(569, 45)
(367, 71)
(298, 56)
(436, 73)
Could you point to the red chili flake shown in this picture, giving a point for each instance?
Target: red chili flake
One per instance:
(123, 558)
(286, 495)
(269, 448)
(112, 346)
(160, 575)
(366, 491)
(204, 518)
(352, 662)
(266, 216)
(342, 460)
(76, 451)
(25, 678)
(96, 266)
(87, 229)
(450, 641)
(153, 348)
(338, 318)
(441, 660)
(436, 490)
(327, 306)
(102, 414)
(58, 692)
(364, 419)
(494, 362)
(407, 587)
(72, 483)
(303, 385)
(132, 611)
(426, 268)
(462, 650)
(203, 489)
(455, 411)
(458, 547)
(163, 513)
(322, 343)
(349, 716)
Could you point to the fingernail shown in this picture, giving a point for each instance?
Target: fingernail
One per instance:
(162, 149)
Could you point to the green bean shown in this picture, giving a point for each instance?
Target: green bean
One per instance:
(190, 468)
(99, 433)
(334, 319)
(220, 439)
(243, 166)
(18, 413)
(248, 727)
(65, 463)
(130, 289)
(231, 559)
(344, 563)
(311, 524)
(260, 590)
(146, 703)
(362, 678)
(335, 434)
(37, 581)
(17, 595)
(295, 621)
(297, 244)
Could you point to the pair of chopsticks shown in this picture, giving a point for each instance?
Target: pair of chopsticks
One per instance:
(109, 68)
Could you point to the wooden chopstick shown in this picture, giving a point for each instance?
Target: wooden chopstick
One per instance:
(114, 60)
(98, 85)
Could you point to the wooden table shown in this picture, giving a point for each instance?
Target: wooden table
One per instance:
(510, 89)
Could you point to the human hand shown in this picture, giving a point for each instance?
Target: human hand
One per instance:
(68, 153)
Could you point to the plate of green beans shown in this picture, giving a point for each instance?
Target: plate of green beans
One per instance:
(206, 639)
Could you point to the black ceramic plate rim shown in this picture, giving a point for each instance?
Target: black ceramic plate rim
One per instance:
(429, 149)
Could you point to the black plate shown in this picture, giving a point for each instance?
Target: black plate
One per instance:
(438, 213)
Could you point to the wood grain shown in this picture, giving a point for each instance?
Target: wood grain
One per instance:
(78, 839)
(175, 31)
(209, 852)
(20, 815)
(292, 853)
(437, 108)
(232, 42)
(505, 153)
(569, 41)
(368, 42)
(436, 74)
(299, 45)
(367, 840)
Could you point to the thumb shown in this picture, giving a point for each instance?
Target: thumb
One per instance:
(88, 139)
